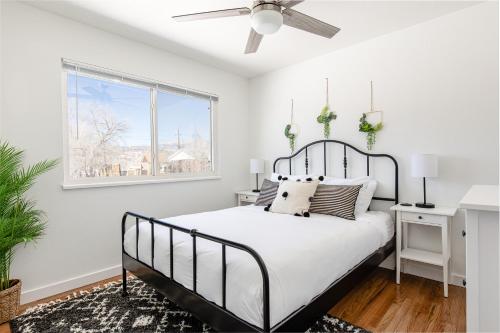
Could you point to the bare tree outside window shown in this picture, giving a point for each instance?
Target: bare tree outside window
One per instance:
(109, 132)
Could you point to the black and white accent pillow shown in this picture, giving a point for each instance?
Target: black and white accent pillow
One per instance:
(336, 200)
(268, 192)
(294, 198)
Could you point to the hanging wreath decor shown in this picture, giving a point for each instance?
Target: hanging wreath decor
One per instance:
(370, 130)
(291, 131)
(290, 136)
(326, 116)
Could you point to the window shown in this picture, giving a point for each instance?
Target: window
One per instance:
(120, 128)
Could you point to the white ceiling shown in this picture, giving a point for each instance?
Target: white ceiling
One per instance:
(220, 42)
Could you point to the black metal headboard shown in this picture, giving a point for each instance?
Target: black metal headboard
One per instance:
(346, 145)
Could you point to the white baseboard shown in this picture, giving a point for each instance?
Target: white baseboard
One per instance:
(457, 279)
(72, 283)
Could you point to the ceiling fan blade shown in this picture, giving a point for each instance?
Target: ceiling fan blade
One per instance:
(307, 23)
(290, 3)
(253, 42)
(213, 14)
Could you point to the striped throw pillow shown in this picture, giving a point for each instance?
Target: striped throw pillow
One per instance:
(267, 193)
(336, 200)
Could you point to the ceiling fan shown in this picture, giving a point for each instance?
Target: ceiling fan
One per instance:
(266, 18)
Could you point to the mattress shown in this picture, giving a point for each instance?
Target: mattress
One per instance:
(303, 255)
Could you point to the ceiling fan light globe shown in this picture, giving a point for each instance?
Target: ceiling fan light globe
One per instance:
(266, 22)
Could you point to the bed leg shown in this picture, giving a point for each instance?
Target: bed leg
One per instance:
(124, 282)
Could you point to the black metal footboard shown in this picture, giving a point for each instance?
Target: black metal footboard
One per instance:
(206, 310)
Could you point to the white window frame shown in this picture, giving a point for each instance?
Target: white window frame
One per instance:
(155, 87)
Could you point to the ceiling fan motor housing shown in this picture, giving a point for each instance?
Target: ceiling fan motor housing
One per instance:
(266, 18)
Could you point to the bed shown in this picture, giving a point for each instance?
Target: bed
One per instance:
(244, 269)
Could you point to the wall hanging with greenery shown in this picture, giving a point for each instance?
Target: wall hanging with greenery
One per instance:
(366, 127)
(326, 116)
(291, 131)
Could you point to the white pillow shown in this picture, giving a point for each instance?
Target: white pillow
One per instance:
(365, 193)
(294, 197)
(365, 197)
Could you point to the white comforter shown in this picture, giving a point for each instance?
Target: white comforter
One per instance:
(303, 255)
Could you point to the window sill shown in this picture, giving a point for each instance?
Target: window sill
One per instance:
(72, 186)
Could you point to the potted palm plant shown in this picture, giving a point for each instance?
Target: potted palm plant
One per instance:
(20, 221)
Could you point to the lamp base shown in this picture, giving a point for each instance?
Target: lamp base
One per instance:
(256, 191)
(424, 205)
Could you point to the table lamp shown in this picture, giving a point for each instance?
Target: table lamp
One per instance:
(425, 166)
(256, 166)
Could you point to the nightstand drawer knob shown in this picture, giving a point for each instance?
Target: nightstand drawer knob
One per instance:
(463, 233)
(419, 217)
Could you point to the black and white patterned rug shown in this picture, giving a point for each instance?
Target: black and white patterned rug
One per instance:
(144, 310)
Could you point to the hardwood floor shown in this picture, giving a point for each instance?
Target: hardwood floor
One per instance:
(416, 305)
(379, 304)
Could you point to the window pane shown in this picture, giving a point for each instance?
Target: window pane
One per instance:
(109, 128)
(184, 134)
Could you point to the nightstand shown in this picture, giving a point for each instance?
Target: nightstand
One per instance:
(246, 197)
(440, 217)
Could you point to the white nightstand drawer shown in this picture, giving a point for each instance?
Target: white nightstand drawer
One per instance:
(248, 198)
(423, 218)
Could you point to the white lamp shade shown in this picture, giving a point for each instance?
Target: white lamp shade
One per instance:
(256, 165)
(424, 165)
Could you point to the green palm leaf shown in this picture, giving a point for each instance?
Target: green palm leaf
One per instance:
(20, 221)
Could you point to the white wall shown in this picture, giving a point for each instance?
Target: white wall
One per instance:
(83, 234)
(437, 83)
